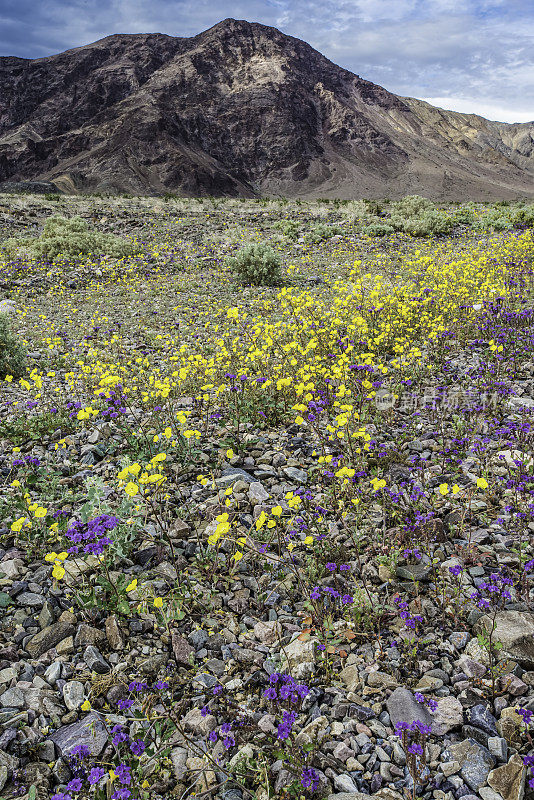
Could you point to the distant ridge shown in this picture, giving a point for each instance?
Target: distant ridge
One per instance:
(241, 109)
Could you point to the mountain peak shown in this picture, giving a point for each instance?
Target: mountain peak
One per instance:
(241, 108)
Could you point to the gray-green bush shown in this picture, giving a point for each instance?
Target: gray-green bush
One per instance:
(70, 238)
(322, 232)
(12, 352)
(257, 264)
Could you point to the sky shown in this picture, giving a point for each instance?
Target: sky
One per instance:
(474, 56)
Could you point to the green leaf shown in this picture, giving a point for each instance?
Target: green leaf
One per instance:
(5, 600)
(32, 794)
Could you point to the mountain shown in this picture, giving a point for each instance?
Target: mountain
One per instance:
(241, 109)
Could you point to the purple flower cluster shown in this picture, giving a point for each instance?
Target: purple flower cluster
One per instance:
(283, 687)
(286, 726)
(309, 778)
(92, 534)
(404, 613)
(432, 704)
(493, 592)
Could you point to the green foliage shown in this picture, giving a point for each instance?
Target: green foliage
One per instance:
(464, 215)
(378, 227)
(12, 352)
(429, 223)
(524, 216)
(412, 206)
(289, 228)
(494, 220)
(322, 232)
(257, 264)
(69, 238)
(19, 430)
(52, 197)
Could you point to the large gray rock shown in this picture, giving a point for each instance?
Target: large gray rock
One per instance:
(449, 715)
(403, 707)
(515, 631)
(49, 637)
(89, 731)
(476, 761)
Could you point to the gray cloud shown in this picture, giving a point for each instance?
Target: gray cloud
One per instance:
(477, 54)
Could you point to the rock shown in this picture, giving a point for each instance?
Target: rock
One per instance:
(257, 493)
(113, 633)
(179, 529)
(267, 632)
(86, 634)
(73, 695)
(232, 474)
(49, 637)
(498, 747)
(314, 731)
(345, 783)
(300, 658)
(195, 723)
(414, 572)
(381, 679)
(509, 724)
(474, 759)
(183, 652)
(515, 631)
(351, 677)
(295, 474)
(449, 715)
(403, 707)
(509, 780)
(428, 683)
(89, 731)
(480, 717)
(12, 698)
(95, 660)
(30, 599)
(179, 759)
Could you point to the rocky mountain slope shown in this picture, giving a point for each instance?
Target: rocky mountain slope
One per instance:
(241, 109)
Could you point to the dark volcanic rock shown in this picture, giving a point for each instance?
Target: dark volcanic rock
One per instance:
(239, 109)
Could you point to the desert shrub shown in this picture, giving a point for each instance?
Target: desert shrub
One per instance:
(378, 228)
(12, 352)
(494, 220)
(52, 197)
(321, 232)
(257, 264)
(412, 206)
(430, 223)
(523, 216)
(464, 215)
(70, 238)
(289, 228)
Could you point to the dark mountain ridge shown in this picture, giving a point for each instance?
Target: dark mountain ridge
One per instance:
(241, 109)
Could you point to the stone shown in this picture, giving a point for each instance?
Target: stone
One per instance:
(448, 715)
(295, 474)
(381, 679)
(183, 652)
(509, 724)
(498, 747)
(314, 731)
(257, 493)
(300, 658)
(475, 761)
(86, 634)
(428, 683)
(231, 475)
(48, 638)
(89, 731)
(12, 698)
(95, 660)
(403, 707)
(73, 695)
(351, 677)
(509, 780)
(515, 631)
(414, 572)
(113, 633)
(267, 632)
(178, 760)
(30, 599)
(345, 783)
(480, 717)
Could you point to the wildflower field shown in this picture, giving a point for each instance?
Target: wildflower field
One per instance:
(266, 499)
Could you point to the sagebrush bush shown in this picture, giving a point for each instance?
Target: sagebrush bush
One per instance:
(496, 219)
(524, 216)
(70, 238)
(256, 264)
(322, 232)
(289, 228)
(12, 352)
(378, 228)
(411, 206)
(429, 223)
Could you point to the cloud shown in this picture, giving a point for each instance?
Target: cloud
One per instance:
(473, 53)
